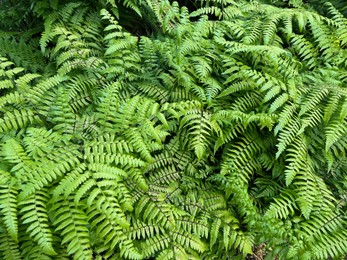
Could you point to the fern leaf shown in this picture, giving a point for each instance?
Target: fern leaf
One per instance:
(72, 223)
(17, 119)
(215, 231)
(35, 214)
(9, 248)
(8, 209)
(334, 131)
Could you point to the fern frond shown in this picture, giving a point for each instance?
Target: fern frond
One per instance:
(18, 119)
(35, 214)
(8, 209)
(9, 248)
(334, 131)
(71, 222)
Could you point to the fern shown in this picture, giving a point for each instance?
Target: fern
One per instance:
(75, 231)
(173, 130)
(35, 214)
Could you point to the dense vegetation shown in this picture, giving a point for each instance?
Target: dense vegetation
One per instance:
(173, 130)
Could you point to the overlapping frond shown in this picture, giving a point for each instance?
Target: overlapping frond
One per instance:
(173, 130)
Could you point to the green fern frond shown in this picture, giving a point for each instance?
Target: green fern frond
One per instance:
(35, 214)
(18, 119)
(334, 131)
(71, 222)
(8, 209)
(9, 248)
(283, 206)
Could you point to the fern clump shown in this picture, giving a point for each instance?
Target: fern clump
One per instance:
(173, 130)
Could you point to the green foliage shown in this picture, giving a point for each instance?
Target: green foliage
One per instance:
(173, 130)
